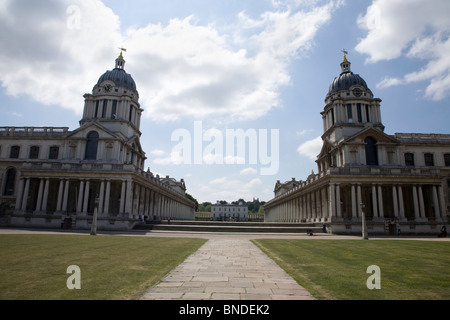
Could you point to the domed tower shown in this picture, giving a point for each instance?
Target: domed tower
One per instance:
(114, 102)
(349, 106)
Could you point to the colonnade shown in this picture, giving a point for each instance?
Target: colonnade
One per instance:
(343, 202)
(123, 197)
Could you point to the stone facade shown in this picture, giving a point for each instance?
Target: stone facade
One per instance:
(54, 177)
(400, 182)
(227, 212)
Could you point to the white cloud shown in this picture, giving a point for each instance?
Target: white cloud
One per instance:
(232, 187)
(158, 153)
(310, 148)
(49, 59)
(61, 47)
(415, 29)
(303, 132)
(389, 82)
(174, 158)
(249, 171)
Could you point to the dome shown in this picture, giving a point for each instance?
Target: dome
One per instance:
(345, 81)
(119, 77)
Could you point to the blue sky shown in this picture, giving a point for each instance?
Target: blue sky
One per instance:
(250, 65)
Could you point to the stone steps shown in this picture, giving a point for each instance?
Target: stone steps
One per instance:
(218, 226)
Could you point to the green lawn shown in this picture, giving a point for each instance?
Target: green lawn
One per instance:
(112, 267)
(336, 269)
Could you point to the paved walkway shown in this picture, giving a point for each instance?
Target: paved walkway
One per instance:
(228, 269)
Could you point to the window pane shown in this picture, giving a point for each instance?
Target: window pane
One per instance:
(14, 154)
(53, 153)
(91, 146)
(34, 152)
(371, 151)
(429, 160)
(409, 159)
(447, 159)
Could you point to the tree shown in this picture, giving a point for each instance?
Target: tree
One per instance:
(193, 200)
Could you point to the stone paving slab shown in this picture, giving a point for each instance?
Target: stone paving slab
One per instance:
(228, 269)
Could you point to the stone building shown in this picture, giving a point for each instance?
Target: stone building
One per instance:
(227, 212)
(400, 182)
(54, 177)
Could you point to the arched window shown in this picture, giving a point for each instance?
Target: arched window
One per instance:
(10, 180)
(371, 151)
(91, 146)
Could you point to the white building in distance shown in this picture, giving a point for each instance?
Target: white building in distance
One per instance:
(227, 212)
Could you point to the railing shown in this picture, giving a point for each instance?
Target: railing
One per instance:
(32, 131)
(394, 171)
(101, 167)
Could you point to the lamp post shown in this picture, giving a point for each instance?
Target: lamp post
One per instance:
(94, 218)
(365, 236)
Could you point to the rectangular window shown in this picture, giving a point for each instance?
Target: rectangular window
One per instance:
(96, 108)
(34, 152)
(105, 105)
(14, 153)
(367, 113)
(332, 116)
(358, 109)
(447, 159)
(409, 159)
(53, 153)
(349, 113)
(131, 113)
(114, 109)
(429, 159)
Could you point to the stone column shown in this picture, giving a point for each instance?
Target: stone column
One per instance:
(25, 195)
(60, 195)
(354, 210)
(416, 204)
(401, 205)
(66, 196)
(45, 199)
(332, 201)
(380, 202)
(101, 197)
(86, 197)
(374, 202)
(39, 199)
(359, 200)
(395, 201)
(19, 196)
(338, 201)
(421, 203)
(107, 196)
(80, 197)
(122, 197)
(437, 214)
(442, 202)
(129, 198)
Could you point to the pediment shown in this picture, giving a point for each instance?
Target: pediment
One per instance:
(83, 131)
(378, 135)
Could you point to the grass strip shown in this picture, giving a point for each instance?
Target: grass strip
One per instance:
(112, 267)
(337, 269)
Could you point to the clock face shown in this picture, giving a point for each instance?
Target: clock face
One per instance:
(357, 92)
(107, 88)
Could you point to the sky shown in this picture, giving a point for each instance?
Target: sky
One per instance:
(208, 69)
